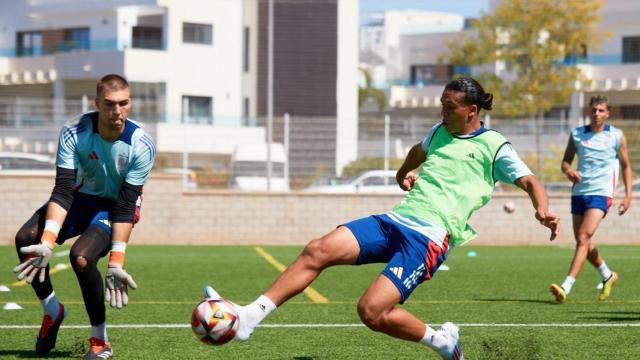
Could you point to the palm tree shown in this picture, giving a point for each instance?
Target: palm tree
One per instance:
(369, 92)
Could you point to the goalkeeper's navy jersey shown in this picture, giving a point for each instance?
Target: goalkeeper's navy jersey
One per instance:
(103, 165)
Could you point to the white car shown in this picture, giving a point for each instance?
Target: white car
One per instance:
(21, 163)
(371, 181)
(249, 168)
(189, 176)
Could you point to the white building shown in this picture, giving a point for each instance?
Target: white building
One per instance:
(188, 56)
(613, 69)
(197, 62)
(380, 40)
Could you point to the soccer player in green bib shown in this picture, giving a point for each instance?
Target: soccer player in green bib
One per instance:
(460, 162)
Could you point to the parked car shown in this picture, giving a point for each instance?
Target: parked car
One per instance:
(249, 168)
(371, 181)
(22, 163)
(189, 175)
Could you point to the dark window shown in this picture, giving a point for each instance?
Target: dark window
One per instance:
(631, 49)
(29, 43)
(431, 74)
(197, 110)
(630, 112)
(147, 37)
(75, 39)
(245, 111)
(245, 57)
(580, 57)
(197, 33)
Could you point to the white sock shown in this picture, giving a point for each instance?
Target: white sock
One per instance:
(100, 331)
(259, 309)
(251, 315)
(51, 305)
(433, 339)
(568, 283)
(605, 273)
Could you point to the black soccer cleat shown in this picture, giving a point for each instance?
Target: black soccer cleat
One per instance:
(46, 340)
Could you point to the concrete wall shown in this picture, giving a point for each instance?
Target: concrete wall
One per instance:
(170, 216)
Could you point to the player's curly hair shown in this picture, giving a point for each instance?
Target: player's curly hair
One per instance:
(473, 92)
(112, 82)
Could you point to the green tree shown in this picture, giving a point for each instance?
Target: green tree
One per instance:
(370, 92)
(531, 40)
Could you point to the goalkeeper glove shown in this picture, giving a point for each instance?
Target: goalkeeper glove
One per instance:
(38, 255)
(118, 281)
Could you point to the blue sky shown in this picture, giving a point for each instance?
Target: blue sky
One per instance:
(468, 8)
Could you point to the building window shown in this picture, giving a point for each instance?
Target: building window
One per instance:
(431, 74)
(245, 57)
(147, 37)
(197, 33)
(197, 110)
(631, 49)
(75, 39)
(630, 112)
(29, 43)
(246, 112)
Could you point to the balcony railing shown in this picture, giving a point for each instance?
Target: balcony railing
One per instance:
(93, 46)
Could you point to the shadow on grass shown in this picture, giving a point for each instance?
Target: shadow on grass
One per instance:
(613, 316)
(30, 354)
(531, 301)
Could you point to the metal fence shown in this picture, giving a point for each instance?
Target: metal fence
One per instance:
(307, 145)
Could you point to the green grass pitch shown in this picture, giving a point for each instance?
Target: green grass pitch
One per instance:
(499, 297)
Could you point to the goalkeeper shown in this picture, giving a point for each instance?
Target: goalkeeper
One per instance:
(102, 163)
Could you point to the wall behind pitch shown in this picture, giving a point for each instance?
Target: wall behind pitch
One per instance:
(170, 216)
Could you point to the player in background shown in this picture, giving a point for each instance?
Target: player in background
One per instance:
(102, 163)
(460, 162)
(601, 149)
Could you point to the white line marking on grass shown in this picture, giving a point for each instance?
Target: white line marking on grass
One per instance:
(311, 326)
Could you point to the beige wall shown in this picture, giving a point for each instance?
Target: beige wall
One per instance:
(170, 216)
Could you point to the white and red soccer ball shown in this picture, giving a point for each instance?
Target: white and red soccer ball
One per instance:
(215, 321)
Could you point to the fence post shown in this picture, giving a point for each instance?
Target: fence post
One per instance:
(269, 92)
(85, 104)
(185, 148)
(387, 120)
(286, 148)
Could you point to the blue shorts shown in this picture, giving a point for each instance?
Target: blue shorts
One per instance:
(411, 257)
(84, 211)
(580, 203)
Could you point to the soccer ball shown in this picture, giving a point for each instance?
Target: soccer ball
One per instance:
(509, 207)
(215, 321)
